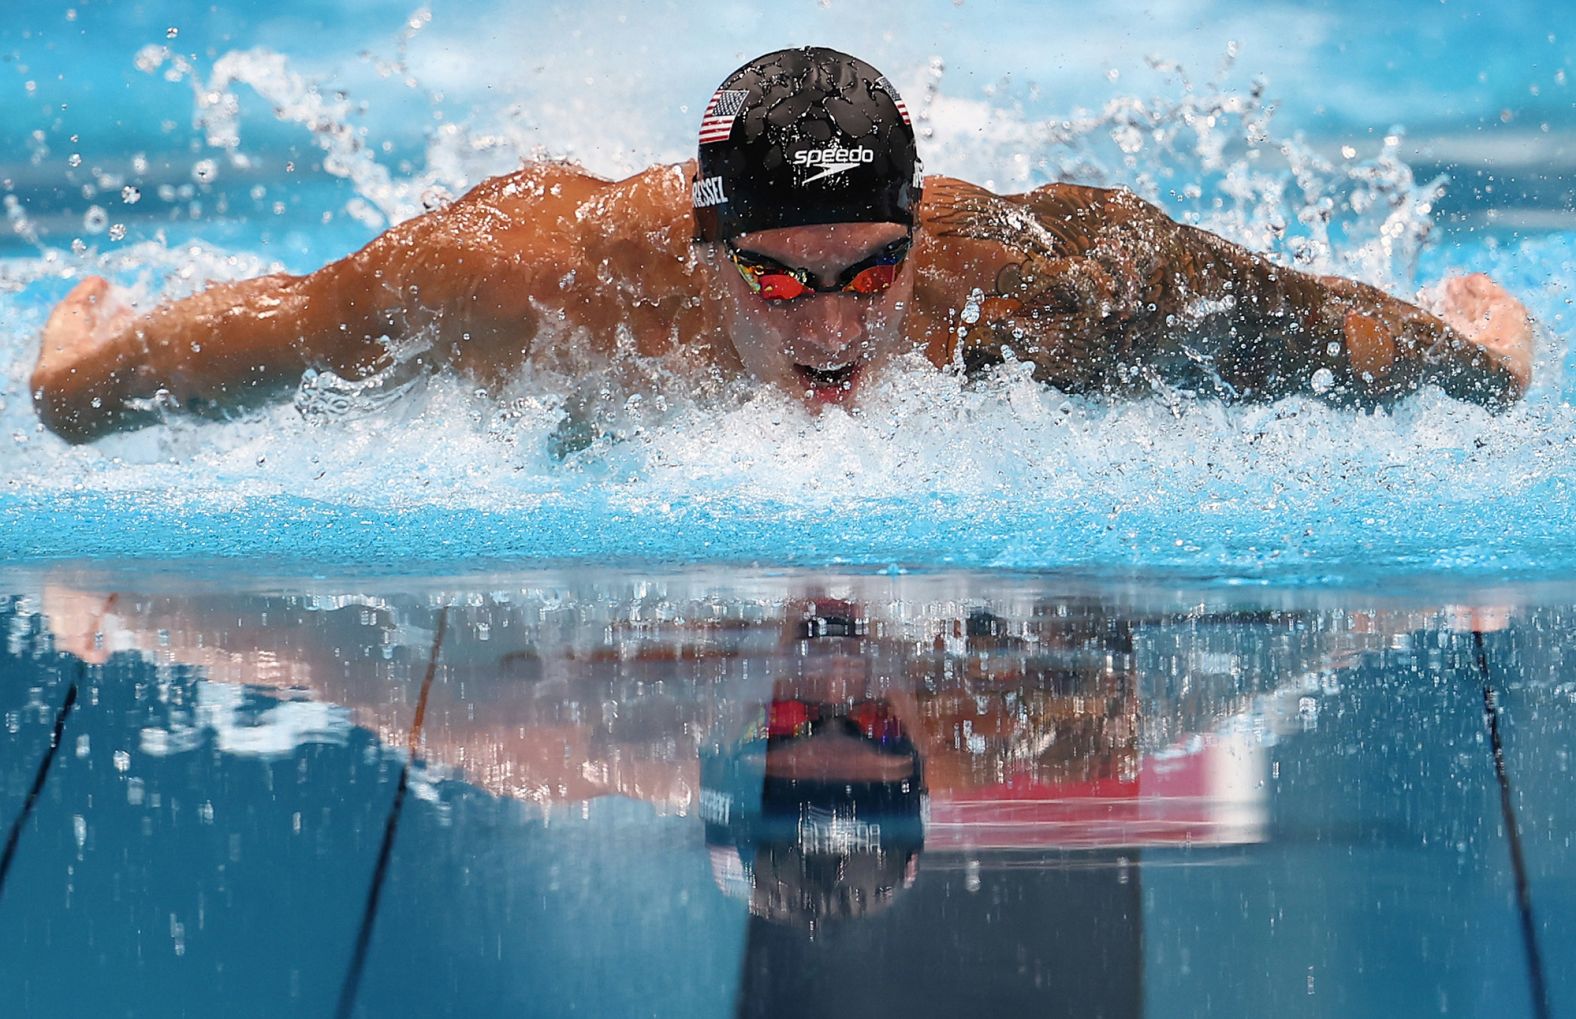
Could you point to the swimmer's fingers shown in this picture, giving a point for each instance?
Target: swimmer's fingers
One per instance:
(1490, 318)
(82, 622)
(88, 317)
(91, 309)
(89, 353)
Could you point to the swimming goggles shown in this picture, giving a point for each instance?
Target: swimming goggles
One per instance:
(873, 720)
(775, 282)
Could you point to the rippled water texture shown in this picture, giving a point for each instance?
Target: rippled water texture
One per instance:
(169, 149)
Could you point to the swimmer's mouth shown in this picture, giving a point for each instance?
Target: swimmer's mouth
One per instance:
(830, 383)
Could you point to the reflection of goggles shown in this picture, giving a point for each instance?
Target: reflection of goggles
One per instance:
(776, 282)
(872, 720)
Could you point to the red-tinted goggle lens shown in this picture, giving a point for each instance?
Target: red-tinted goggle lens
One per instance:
(775, 282)
(874, 719)
(789, 718)
(778, 286)
(873, 280)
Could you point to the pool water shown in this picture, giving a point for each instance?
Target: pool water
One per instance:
(1140, 799)
(167, 147)
(396, 698)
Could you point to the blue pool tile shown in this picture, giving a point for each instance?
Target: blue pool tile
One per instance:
(1383, 885)
(493, 908)
(34, 681)
(179, 864)
(1530, 664)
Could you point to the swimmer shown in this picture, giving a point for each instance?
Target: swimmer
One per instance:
(803, 248)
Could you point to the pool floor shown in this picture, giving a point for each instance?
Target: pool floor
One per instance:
(792, 793)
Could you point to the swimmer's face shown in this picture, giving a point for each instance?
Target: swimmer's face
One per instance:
(820, 347)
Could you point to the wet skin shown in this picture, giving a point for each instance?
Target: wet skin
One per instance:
(820, 345)
(545, 742)
(1095, 288)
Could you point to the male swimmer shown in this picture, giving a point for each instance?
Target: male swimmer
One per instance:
(803, 248)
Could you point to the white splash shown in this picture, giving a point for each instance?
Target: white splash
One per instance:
(1208, 154)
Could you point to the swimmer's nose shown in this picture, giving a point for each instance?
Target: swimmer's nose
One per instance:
(830, 330)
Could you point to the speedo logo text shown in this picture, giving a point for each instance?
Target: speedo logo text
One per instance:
(833, 159)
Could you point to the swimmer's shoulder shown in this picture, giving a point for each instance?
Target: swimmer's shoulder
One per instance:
(1075, 214)
(944, 195)
(536, 183)
(651, 205)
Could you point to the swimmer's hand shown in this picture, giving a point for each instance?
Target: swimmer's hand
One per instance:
(83, 622)
(80, 361)
(1487, 315)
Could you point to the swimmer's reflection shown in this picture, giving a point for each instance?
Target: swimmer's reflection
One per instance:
(813, 810)
(813, 735)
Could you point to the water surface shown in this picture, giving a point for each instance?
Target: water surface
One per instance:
(1134, 798)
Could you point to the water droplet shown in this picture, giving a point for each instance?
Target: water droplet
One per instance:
(971, 308)
(130, 195)
(171, 32)
(117, 232)
(74, 160)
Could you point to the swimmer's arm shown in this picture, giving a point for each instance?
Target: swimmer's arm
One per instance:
(101, 365)
(468, 280)
(1288, 325)
(1270, 329)
(223, 638)
(1114, 287)
(231, 344)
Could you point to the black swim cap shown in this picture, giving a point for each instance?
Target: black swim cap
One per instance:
(803, 137)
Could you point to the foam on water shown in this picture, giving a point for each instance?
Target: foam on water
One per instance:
(929, 470)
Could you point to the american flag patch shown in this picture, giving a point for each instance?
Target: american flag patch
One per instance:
(902, 108)
(717, 122)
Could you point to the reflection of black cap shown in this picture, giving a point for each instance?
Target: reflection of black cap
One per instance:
(807, 850)
(803, 137)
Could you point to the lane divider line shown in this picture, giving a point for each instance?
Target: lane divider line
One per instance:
(1518, 862)
(369, 915)
(15, 834)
